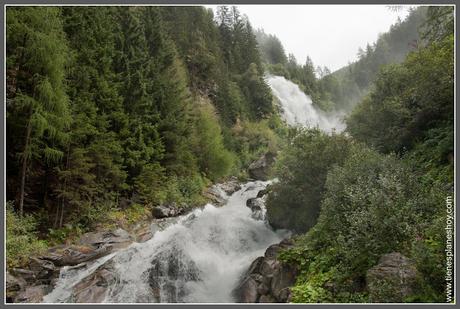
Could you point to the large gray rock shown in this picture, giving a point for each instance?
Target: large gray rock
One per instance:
(13, 286)
(256, 204)
(73, 255)
(28, 275)
(392, 279)
(260, 169)
(215, 195)
(246, 292)
(117, 239)
(230, 186)
(284, 277)
(93, 289)
(44, 270)
(32, 294)
(267, 279)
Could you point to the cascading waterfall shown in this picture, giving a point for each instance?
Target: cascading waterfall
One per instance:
(198, 259)
(298, 109)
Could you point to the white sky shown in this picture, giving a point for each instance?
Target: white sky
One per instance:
(329, 34)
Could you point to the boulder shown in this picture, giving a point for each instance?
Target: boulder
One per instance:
(266, 299)
(13, 286)
(231, 186)
(73, 255)
(32, 294)
(117, 239)
(392, 279)
(263, 192)
(28, 275)
(93, 289)
(284, 277)
(260, 168)
(246, 292)
(161, 212)
(44, 270)
(267, 279)
(215, 195)
(256, 204)
(172, 270)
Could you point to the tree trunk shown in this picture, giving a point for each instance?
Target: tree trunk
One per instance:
(67, 166)
(24, 167)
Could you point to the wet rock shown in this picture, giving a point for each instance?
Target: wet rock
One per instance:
(392, 279)
(272, 278)
(13, 286)
(144, 235)
(32, 294)
(263, 192)
(93, 289)
(44, 270)
(73, 255)
(28, 275)
(255, 204)
(266, 299)
(273, 250)
(117, 239)
(215, 195)
(246, 292)
(284, 277)
(263, 289)
(171, 271)
(230, 186)
(161, 212)
(255, 265)
(260, 169)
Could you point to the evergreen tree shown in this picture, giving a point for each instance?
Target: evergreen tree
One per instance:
(38, 111)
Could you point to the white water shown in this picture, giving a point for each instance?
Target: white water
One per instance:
(298, 109)
(198, 259)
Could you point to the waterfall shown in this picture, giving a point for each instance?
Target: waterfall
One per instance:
(298, 109)
(198, 259)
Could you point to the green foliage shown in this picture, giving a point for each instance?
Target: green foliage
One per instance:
(214, 160)
(21, 238)
(294, 202)
(410, 104)
(365, 197)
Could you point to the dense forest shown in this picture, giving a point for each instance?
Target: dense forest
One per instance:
(120, 106)
(112, 111)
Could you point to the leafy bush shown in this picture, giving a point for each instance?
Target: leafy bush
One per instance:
(21, 238)
(302, 168)
(366, 197)
(214, 160)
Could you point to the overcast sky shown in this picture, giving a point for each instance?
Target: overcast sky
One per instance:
(329, 34)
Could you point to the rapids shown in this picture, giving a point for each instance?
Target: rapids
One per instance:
(198, 259)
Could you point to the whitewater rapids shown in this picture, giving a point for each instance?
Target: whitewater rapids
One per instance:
(198, 259)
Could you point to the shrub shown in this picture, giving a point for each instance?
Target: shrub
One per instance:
(302, 168)
(21, 238)
(373, 204)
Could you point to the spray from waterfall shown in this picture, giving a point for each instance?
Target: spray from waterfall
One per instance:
(298, 109)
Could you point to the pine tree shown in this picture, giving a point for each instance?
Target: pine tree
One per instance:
(38, 104)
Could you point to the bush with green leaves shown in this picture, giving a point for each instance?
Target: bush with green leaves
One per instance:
(21, 238)
(294, 202)
(373, 204)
